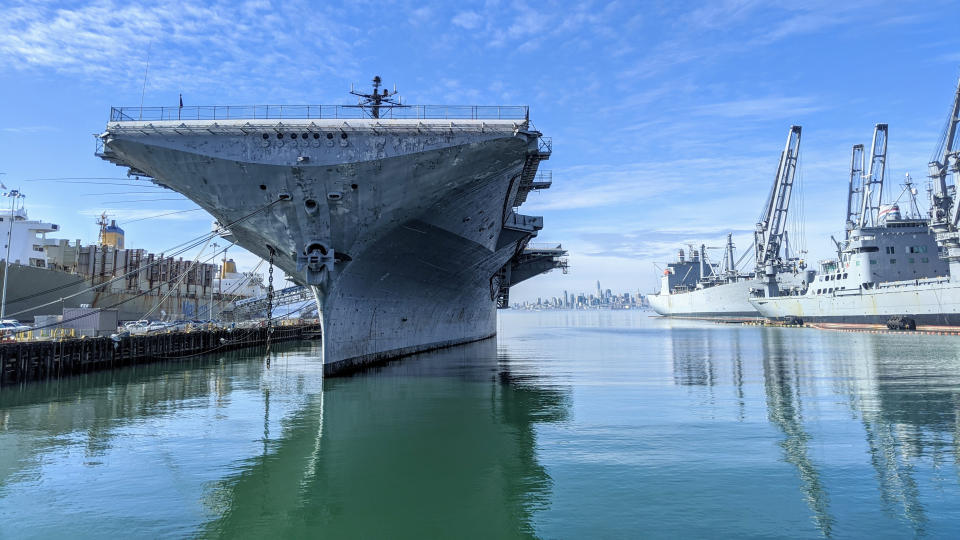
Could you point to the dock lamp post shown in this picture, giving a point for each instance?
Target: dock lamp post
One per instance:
(13, 195)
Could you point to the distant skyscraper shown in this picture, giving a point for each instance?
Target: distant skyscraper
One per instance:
(599, 292)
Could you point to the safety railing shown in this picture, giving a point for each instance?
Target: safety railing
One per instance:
(543, 177)
(544, 246)
(319, 112)
(545, 146)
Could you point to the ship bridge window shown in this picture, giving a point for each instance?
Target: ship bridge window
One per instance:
(844, 275)
(893, 261)
(924, 260)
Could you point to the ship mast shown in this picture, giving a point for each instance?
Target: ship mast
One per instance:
(102, 222)
(771, 229)
(377, 99)
(731, 267)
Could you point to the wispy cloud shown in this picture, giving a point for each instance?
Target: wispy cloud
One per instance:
(187, 44)
(766, 107)
(29, 129)
(618, 185)
(467, 19)
(123, 215)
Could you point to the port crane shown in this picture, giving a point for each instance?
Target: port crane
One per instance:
(866, 190)
(945, 210)
(771, 232)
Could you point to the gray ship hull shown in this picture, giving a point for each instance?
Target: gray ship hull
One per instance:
(931, 302)
(726, 300)
(418, 215)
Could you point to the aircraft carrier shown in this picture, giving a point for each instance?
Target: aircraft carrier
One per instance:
(891, 270)
(400, 218)
(694, 287)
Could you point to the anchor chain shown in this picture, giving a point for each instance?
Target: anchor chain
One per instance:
(269, 306)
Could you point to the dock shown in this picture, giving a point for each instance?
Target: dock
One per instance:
(51, 359)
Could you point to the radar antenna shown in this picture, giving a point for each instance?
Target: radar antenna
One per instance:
(377, 98)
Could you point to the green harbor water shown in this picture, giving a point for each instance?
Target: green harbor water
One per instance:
(569, 425)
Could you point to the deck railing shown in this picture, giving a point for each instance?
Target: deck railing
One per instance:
(319, 112)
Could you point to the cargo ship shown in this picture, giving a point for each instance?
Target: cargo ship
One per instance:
(901, 272)
(695, 287)
(48, 275)
(401, 219)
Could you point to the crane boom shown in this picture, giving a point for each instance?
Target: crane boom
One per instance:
(944, 207)
(873, 188)
(945, 212)
(855, 192)
(771, 228)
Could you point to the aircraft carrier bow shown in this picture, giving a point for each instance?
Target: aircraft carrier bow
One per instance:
(401, 219)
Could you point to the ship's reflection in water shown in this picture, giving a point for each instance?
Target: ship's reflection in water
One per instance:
(438, 444)
(782, 370)
(845, 403)
(581, 424)
(441, 444)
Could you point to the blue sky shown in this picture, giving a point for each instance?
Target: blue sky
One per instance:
(667, 117)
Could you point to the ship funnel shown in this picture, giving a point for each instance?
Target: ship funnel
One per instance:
(229, 267)
(889, 212)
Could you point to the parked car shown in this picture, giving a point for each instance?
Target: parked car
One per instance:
(142, 323)
(158, 326)
(14, 326)
(135, 327)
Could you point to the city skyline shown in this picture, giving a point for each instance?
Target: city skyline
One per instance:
(604, 298)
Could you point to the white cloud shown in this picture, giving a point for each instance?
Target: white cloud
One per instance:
(29, 129)
(468, 19)
(189, 45)
(767, 107)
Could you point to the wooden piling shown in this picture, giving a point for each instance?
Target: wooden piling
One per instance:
(38, 360)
